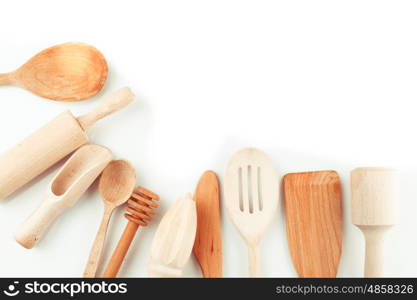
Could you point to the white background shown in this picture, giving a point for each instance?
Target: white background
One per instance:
(316, 84)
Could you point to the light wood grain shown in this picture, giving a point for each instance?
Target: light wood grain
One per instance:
(313, 208)
(51, 143)
(77, 174)
(174, 239)
(109, 105)
(140, 207)
(65, 72)
(251, 195)
(116, 185)
(374, 210)
(39, 151)
(208, 241)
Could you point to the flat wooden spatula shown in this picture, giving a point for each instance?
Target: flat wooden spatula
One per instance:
(313, 207)
(374, 210)
(208, 242)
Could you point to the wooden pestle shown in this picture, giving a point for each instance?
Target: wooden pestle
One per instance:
(139, 207)
(374, 211)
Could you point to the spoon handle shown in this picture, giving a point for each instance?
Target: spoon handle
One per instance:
(114, 102)
(254, 261)
(97, 249)
(6, 79)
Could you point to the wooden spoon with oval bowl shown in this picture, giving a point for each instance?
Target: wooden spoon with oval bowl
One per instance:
(116, 185)
(65, 72)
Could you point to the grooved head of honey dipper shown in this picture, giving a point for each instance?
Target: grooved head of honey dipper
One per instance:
(141, 206)
(117, 182)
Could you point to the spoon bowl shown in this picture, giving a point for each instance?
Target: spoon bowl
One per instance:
(117, 182)
(65, 72)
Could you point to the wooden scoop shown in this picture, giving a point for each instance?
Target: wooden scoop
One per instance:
(251, 194)
(374, 211)
(77, 174)
(174, 239)
(208, 241)
(66, 72)
(116, 185)
(313, 206)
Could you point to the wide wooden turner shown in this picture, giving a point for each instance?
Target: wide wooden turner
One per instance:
(313, 207)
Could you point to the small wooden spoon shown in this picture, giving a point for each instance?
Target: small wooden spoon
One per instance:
(116, 185)
(65, 72)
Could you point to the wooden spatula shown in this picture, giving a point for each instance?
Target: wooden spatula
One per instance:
(251, 194)
(208, 243)
(374, 211)
(313, 207)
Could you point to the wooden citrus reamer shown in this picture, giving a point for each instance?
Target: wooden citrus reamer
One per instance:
(374, 211)
(139, 207)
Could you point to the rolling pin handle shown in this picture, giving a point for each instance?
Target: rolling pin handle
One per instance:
(114, 102)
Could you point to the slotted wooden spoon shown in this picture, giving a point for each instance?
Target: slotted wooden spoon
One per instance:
(65, 72)
(251, 195)
(313, 206)
(375, 209)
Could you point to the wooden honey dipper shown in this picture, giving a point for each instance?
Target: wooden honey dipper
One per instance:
(140, 207)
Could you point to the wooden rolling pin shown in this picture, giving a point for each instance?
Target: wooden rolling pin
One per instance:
(374, 211)
(139, 207)
(52, 142)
